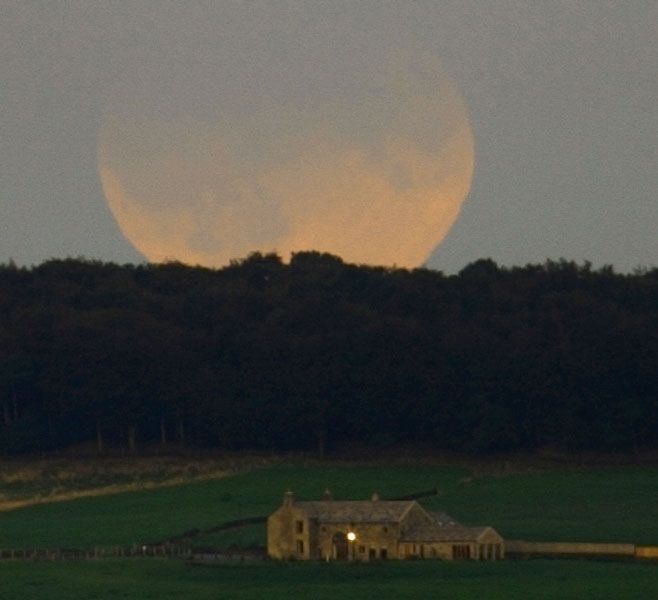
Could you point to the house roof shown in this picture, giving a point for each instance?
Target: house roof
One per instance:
(378, 511)
(438, 533)
(440, 527)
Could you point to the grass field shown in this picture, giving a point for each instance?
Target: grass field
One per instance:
(600, 505)
(146, 579)
(611, 504)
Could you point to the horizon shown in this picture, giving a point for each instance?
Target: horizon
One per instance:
(559, 102)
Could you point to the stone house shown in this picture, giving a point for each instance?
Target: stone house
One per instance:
(374, 529)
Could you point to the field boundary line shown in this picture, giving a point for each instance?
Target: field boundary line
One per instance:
(108, 490)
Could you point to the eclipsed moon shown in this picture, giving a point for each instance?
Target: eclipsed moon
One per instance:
(370, 162)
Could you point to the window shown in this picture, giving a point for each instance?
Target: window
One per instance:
(385, 529)
(383, 553)
(300, 547)
(362, 549)
(299, 526)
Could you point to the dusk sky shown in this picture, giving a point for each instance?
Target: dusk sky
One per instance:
(383, 106)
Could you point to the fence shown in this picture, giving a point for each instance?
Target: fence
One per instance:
(165, 550)
(513, 548)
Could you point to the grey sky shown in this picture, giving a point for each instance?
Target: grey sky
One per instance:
(562, 98)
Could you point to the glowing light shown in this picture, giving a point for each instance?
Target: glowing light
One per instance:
(351, 536)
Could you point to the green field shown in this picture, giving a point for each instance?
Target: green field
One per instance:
(607, 504)
(159, 579)
(603, 505)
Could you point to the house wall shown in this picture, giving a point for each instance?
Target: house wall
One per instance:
(441, 551)
(490, 545)
(373, 540)
(452, 550)
(284, 540)
(490, 551)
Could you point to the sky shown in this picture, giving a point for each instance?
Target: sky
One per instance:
(560, 98)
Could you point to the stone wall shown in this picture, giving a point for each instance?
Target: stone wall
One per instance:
(568, 548)
(646, 551)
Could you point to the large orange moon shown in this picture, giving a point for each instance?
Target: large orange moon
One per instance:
(371, 165)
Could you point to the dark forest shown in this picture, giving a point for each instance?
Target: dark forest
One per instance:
(316, 355)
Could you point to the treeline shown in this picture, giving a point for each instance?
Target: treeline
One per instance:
(317, 354)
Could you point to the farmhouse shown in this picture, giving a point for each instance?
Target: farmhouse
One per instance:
(374, 529)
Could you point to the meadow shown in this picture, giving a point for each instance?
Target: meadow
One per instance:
(598, 505)
(146, 579)
(563, 504)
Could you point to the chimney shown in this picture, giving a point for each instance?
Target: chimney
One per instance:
(375, 497)
(288, 498)
(327, 495)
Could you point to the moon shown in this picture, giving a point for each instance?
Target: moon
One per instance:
(367, 160)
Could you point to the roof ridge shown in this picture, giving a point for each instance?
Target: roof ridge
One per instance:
(374, 511)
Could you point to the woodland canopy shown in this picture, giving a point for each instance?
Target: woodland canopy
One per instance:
(317, 354)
